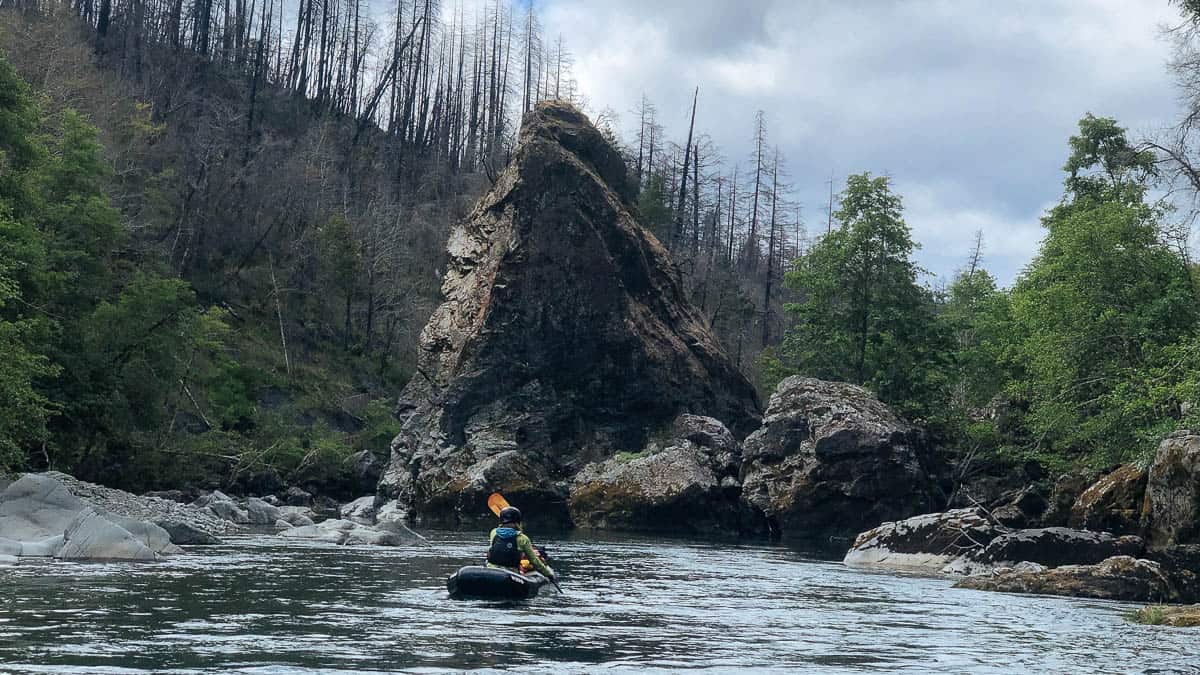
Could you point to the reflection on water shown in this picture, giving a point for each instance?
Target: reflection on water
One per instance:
(269, 606)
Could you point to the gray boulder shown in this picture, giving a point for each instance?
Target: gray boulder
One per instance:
(296, 516)
(831, 460)
(91, 536)
(230, 511)
(1055, 546)
(37, 507)
(361, 510)
(688, 486)
(927, 542)
(186, 534)
(315, 533)
(260, 512)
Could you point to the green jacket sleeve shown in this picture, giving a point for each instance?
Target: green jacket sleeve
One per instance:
(526, 546)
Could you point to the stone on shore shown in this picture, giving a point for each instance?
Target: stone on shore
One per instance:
(688, 486)
(1056, 546)
(1117, 578)
(831, 460)
(927, 542)
(91, 536)
(361, 510)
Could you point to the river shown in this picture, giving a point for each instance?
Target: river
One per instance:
(262, 605)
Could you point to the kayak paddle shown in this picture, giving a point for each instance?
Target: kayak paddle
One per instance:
(497, 503)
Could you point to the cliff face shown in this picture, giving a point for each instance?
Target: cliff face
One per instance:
(565, 336)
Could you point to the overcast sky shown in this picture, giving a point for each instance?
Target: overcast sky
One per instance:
(967, 105)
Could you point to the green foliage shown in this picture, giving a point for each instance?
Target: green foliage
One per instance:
(864, 318)
(1097, 310)
(977, 316)
(1154, 615)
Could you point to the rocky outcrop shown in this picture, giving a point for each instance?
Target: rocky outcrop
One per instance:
(1172, 503)
(1056, 546)
(1063, 496)
(690, 485)
(831, 460)
(39, 516)
(927, 542)
(1118, 578)
(565, 337)
(1113, 503)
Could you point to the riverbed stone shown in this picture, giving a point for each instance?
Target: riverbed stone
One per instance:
(186, 534)
(1172, 503)
(831, 460)
(296, 516)
(928, 542)
(260, 512)
(566, 336)
(230, 511)
(361, 510)
(1113, 503)
(1117, 578)
(91, 536)
(688, 486)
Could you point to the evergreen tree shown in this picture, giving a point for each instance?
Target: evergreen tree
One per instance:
(1101, 301)
(864, 318)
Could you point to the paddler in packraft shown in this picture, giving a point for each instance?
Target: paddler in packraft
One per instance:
(509, 544)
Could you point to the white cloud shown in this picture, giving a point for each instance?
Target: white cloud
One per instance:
(968, 105)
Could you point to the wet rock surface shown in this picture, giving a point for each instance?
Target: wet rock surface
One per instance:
(565, 337)
(832, 460)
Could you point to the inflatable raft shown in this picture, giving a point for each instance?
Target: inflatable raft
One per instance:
(490, 583)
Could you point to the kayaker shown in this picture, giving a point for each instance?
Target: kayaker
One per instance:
(508, 543)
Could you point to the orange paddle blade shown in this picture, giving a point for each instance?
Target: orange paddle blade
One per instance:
(497, 502)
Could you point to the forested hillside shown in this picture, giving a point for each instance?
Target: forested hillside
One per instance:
(224, 226)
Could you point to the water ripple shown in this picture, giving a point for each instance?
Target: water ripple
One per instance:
(265, 605)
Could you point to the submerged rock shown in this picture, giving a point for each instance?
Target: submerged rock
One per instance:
(566, 336)
(1113, 503)
(346, 533)
(1117, 578)
(1172, 504)
(688, 486)
(832, 460)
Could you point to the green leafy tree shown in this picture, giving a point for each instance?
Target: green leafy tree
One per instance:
(864, 318)
(1099, 304)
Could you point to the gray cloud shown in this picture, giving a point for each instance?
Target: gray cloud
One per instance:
(968, 105)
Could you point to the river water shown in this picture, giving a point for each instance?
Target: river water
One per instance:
(263, 605)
